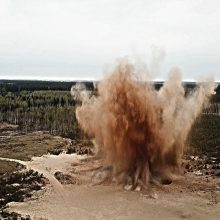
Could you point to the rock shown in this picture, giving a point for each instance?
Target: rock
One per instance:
(55, 151)
(128, 187)
(196, 158)
(207, 166)
(64, 178)
(138, 188)
(198, 173)
(15, 184)
(154, 196)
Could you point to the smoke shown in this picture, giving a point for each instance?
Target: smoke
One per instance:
(141, 132)
(79, 93)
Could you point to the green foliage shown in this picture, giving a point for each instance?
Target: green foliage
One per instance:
(53, 111)
(205, 134)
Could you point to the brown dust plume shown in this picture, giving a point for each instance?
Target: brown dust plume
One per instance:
(141, 132)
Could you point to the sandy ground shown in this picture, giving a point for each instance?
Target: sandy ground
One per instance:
(188, 197)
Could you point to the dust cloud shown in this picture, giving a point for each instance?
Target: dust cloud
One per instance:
(140, 131)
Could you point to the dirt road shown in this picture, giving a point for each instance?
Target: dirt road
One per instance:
(187, 198)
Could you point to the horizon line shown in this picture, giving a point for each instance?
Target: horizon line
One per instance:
(52, 79)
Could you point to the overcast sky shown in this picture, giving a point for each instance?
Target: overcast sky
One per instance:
(77, 39)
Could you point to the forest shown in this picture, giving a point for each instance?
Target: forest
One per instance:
(48, 105)
(40, 105)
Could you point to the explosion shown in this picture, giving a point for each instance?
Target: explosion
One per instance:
(140, 131)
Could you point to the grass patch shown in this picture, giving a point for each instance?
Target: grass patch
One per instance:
(8, 167)
(25, 147)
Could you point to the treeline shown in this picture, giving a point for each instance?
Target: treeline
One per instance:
(33, 85)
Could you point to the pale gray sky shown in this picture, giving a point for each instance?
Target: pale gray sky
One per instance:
(77, 39)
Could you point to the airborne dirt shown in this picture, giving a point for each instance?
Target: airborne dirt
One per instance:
(188, 197)
(139, 131)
